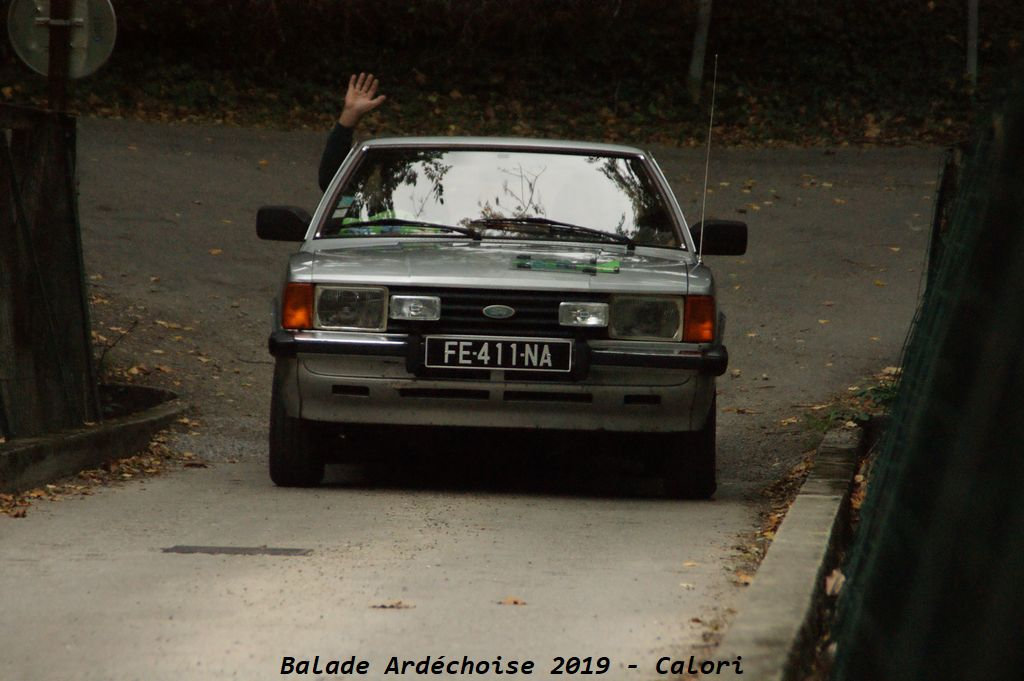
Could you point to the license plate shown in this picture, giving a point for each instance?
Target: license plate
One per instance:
(508, 354)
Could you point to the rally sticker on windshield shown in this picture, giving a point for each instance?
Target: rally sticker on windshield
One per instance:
(591, 266)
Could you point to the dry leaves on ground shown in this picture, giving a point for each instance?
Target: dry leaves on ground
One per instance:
(158, 458)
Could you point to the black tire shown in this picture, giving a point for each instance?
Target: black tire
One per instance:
(296, 454)
(688, 466)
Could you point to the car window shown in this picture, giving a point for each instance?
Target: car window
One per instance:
(503, 194)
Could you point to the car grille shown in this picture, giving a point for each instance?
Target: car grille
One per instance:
(462, 313)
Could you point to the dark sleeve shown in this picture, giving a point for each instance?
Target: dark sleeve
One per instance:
(338, 144)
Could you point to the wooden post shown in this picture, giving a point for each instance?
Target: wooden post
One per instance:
(60, 53)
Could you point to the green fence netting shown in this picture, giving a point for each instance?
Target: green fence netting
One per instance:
(936, 572)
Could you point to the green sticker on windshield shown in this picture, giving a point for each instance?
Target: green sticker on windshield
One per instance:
(591, 266)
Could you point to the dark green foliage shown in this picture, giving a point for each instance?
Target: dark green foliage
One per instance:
(936, 568)
(799, 70)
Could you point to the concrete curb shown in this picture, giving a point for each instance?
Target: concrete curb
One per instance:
(30, 462)
(780, 614)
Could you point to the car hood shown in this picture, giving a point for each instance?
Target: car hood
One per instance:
(502, 265)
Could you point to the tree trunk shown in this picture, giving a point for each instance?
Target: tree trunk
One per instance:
(695, 79)
(972, 43)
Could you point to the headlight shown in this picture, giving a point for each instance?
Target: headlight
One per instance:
(356, 308)
(646, 318)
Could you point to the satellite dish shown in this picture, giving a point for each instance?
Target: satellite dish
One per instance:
(93, 30)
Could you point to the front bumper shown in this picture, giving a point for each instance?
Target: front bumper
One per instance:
(710, 361)
(378, 378)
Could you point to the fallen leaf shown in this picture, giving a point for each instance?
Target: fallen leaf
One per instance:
(834, 582)
(879, 283)
(789, 421)
(857, 497)
(216, 251)
(742, 410)
(690, 563)
(263, 163)
(736, 373)
(823, 321)
(743, 578)
(894, 249)
(839, 202)
(511, 600)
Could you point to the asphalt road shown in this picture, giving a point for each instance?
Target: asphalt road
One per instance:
(605, 567)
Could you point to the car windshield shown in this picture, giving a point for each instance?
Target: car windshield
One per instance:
(502, 194)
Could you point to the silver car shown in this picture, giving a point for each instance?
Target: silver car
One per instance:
(498, 283)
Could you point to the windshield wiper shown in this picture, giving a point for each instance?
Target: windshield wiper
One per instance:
(554, 226)
(399, 222)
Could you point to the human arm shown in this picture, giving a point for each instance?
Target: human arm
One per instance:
(360, 99)
(338, 144)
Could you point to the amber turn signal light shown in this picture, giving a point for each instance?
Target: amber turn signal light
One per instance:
(699, 319)
(297, 307)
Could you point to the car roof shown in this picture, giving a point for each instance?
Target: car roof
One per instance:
(523, 143)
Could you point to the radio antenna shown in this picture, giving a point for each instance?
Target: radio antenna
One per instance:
(707, 164)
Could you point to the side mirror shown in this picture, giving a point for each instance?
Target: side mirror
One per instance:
(282, 223)
(721, 237)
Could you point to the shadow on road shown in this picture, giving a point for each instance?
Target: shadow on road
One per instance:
(569, 464)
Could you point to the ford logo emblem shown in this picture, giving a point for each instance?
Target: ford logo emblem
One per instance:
(499, 311)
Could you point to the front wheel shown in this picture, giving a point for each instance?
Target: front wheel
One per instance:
(688, 463)
(296, 457)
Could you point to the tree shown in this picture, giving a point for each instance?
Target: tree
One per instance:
(972, 43)
(695, 79)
